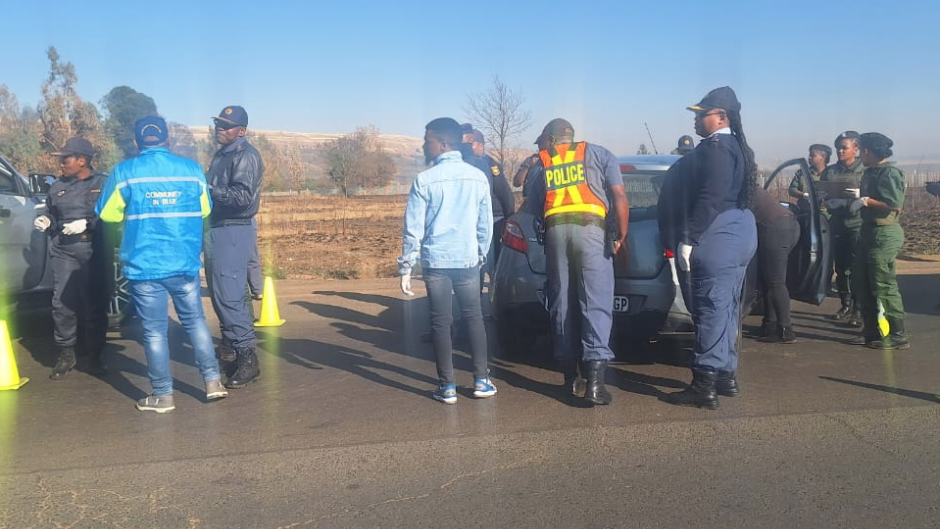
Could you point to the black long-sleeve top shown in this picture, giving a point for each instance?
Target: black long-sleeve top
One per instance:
(698, 188)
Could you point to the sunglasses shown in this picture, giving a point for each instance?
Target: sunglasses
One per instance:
(224, 126)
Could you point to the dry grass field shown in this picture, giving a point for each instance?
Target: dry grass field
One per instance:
(329, 237)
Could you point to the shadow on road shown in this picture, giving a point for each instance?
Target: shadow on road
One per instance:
(930, 397)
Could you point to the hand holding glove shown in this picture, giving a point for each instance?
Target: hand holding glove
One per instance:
(864, 201)
(406, 285)
(75, 227)
(42, 223)
(684, 257)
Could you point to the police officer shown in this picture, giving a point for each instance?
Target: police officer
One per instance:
(817, 159)
(577, 186)
(76, 256)
(504, 205)
(874, 279)
(235, 177)
(716, 243)
(846, 173)
(685, 146)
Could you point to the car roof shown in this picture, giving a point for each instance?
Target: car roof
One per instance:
(649, 162)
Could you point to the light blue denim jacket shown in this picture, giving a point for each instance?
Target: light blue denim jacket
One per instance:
(449, 217)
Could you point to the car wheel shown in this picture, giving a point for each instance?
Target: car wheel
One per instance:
(119, 303)
(514, 339)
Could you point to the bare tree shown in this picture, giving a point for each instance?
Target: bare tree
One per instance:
(359, 160)
(499, 115)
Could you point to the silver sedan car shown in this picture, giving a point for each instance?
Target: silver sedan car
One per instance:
(647, 300)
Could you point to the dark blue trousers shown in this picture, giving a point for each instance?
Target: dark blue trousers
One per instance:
(718, 266)
(580, 291)
(228, 250)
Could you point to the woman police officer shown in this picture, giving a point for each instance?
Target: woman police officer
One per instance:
(881, 197)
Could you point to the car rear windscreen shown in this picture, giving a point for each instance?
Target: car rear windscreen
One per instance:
(642, 188)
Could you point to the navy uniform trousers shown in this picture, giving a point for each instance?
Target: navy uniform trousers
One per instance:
(79, 293)
(718, 266)
(228, 250)
(580, 291)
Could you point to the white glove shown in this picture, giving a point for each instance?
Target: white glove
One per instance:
(684, 257)
(42, 223)
(864, 201)
(406, 285)
(75, 227)
(805, 194)
(853, 192)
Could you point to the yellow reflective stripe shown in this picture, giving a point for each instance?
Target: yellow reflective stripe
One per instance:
(204, 203)
(113, 210)
(578, 208)
(559, 197)
(575, 195)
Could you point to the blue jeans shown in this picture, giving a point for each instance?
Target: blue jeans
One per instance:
(465, 283)
(150, 300)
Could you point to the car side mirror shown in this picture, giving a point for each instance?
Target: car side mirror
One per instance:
(39, 184)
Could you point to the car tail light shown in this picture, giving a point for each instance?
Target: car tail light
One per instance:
(514, 238)
(669, 254)
(627, 168)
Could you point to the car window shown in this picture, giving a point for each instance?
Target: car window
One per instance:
(7, 180)
(642, 189)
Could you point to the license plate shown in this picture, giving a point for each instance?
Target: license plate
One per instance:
(621, 304)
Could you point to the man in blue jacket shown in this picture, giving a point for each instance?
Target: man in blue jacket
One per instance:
(448, 228)
(161, 199)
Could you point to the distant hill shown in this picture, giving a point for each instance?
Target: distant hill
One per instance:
(405, 150)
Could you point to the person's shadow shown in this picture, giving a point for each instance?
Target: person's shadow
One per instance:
(930, 397)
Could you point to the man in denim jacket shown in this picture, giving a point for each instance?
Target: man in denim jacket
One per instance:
(449, 226)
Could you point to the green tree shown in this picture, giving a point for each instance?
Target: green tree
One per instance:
(63, 114)
(123, 106)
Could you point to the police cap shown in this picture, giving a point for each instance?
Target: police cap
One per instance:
(232, 116)
(722, 97)
(847, 135)
(875, 141)
(825, 149)
(557, 128)
(76, 146)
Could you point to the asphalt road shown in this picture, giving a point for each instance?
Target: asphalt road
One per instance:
(341, 432)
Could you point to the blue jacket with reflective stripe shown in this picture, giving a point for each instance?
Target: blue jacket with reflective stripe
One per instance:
(162, 200)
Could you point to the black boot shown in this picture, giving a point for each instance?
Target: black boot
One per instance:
(767, 329)
(64, 363)
(781, 335)
(574, 382)
(896, 338)
(845, 309)
(701, 391)
(855, 317)
(596, 392)
(247, 371)
(226, 356)
(726, 384)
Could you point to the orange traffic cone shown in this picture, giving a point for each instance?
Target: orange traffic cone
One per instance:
(269, 314)
(9, 374)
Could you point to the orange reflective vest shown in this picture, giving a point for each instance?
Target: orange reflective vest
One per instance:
(567, 189)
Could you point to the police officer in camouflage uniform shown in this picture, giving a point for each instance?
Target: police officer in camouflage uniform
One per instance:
(874, 279)
(817, 159)
(76, 253)
(845, 224)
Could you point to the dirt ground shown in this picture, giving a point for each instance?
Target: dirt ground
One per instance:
(316, 237)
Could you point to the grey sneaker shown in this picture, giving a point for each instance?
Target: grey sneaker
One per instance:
(162, 404)
(215, 390)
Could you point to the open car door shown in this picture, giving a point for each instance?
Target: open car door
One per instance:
(810, 266)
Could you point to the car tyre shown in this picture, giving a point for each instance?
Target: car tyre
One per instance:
(514, 340)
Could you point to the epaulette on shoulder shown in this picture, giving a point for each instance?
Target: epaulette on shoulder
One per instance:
(714, 139)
